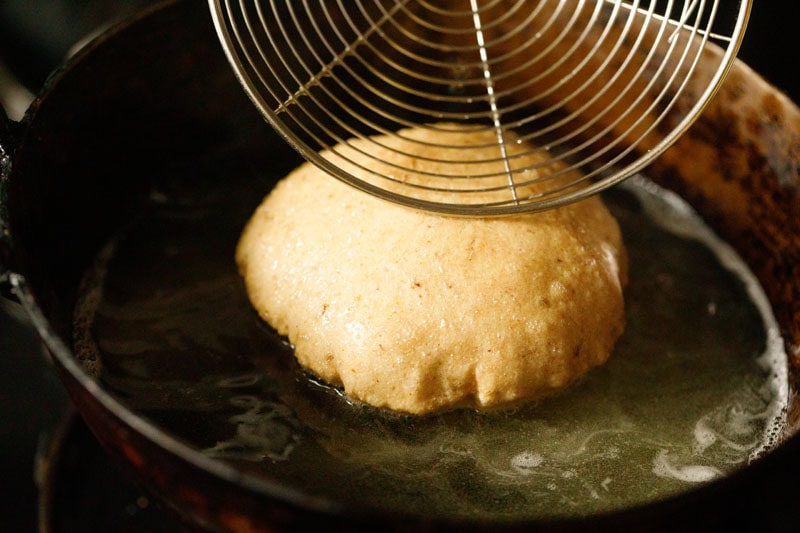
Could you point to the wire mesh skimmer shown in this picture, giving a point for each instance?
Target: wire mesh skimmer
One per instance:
(590, 91)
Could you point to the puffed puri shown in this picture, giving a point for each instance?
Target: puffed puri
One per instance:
(418, 312)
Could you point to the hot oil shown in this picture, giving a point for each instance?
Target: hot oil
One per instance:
(695, 389)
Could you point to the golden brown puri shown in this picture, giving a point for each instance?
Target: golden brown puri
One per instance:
(418, 312)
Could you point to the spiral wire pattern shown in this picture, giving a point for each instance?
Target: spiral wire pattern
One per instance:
(598, 88)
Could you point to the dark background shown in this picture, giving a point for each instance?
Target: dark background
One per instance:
(35, 37)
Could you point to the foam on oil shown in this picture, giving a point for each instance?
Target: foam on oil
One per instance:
(696, 388)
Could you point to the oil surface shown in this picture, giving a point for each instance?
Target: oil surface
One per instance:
(695, 389)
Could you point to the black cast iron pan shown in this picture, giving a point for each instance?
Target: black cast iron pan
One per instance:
(153, 106)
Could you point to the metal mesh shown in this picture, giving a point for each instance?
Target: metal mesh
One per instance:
(596, 88)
